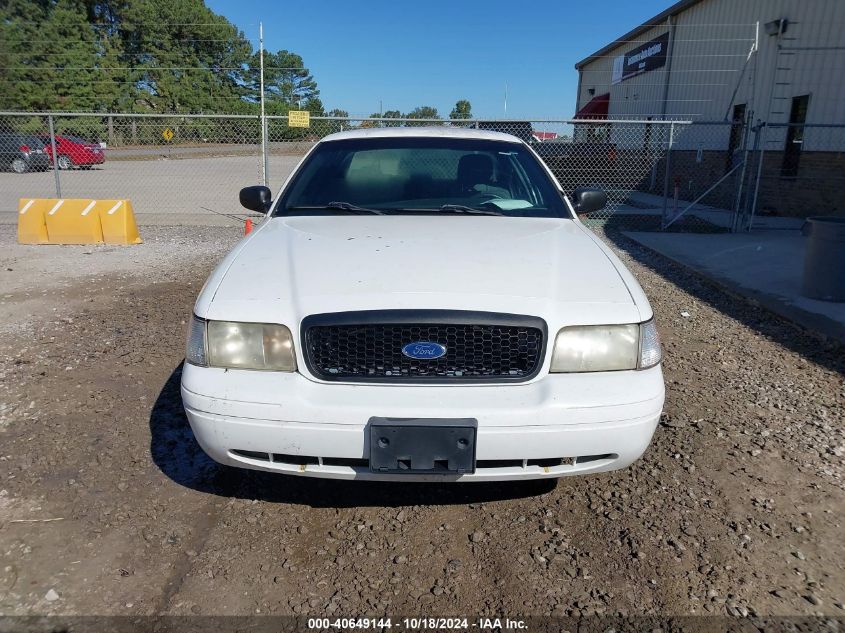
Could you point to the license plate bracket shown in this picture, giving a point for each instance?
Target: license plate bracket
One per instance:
(422, 446)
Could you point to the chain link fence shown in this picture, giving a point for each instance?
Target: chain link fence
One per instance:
(165, 165)
(659, 175)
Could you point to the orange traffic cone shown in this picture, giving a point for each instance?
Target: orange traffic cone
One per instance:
(248, 227)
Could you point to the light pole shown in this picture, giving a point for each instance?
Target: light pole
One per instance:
(263, 120)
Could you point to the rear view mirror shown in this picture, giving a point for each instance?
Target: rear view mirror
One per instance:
(256, 198)
(587, 200)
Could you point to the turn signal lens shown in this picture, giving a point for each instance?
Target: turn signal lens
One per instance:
(650, 351)
(195, 352)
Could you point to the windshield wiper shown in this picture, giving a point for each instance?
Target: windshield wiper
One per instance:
(456, 208)
(337, 206)
(460, 208)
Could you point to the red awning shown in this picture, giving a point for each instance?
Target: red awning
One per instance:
(596, 108)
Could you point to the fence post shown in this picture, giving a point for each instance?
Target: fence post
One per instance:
(111, 131)
(265, 149)
(666, 177)
(55, 156)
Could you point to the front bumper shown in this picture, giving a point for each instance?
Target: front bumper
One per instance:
(38, 162)
(558, 425)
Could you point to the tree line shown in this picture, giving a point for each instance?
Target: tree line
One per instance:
(140, 56)
(462, 110)
(149, 56)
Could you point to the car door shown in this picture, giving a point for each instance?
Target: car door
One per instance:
(75, 149)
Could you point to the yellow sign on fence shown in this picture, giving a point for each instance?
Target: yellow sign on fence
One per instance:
(167, 134)
(299, 118)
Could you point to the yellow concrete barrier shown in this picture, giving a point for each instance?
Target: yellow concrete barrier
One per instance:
(118, 222)
(32, 228)
(76, 221)
(70, 221)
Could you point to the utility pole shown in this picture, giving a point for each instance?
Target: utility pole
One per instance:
(263, 120)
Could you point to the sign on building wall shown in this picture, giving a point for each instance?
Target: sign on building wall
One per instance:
(645, 57)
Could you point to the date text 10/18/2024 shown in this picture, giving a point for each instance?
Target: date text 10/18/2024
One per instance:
(417, 624)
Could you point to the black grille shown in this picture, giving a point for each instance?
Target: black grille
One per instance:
(367, 346)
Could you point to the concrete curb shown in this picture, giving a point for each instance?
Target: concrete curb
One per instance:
(817, 325)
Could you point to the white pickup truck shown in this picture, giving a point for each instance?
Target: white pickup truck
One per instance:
(423, 304)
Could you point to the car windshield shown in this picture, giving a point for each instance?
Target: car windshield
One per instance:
(412, 175)
(33, 142)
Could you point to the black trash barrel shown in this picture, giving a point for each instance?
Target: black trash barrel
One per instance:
(824, 258)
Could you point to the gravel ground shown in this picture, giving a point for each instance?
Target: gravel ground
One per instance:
(108, 506)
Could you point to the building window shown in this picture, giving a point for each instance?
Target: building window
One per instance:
(736, 139)
(599, 133)
(794, 136)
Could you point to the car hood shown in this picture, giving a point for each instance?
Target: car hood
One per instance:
(295, 266)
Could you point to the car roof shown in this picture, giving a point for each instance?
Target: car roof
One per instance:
(432, 131)
(19, 135)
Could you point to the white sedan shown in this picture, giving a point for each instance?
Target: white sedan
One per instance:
(423, 305)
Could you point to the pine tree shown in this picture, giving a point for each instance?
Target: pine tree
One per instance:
(288, 84)
(140, 56)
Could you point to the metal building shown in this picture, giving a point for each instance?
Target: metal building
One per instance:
(761, 79)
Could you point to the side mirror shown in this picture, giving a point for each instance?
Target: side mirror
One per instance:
(588, 200)
(256, 198)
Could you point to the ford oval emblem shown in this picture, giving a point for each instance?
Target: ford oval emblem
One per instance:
(424, 350)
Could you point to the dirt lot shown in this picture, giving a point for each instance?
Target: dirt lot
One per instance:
(108, 506)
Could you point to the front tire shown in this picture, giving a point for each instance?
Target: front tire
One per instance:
(19, 165)
(65, 162)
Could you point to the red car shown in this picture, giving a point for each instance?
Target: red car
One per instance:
(75, 152)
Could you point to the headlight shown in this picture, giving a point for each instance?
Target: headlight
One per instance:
(596, 348)
(264, 346)
(606, 348)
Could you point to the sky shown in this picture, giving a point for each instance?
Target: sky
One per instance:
(393, 55)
